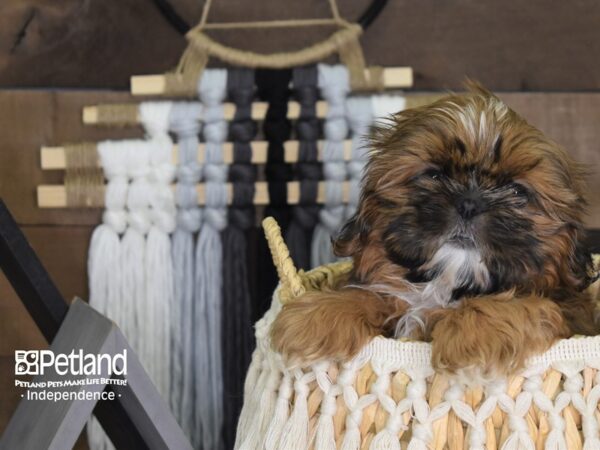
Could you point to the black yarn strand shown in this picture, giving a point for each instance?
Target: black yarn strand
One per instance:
(237, 334)
(308, 170)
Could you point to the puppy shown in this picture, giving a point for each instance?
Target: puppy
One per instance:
(468, 234)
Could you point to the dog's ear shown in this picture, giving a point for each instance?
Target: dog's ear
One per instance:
(351, 238)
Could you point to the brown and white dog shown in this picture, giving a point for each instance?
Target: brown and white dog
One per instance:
(468, 235)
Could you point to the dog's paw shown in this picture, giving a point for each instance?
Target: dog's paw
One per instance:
(333, 325)
(472, 361)
(494, 336)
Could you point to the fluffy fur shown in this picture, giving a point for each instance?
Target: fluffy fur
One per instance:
(468, 233)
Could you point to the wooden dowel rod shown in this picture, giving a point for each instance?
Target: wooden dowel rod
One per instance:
(55, 196)
(393, 78)
(54, 158)
(127, 114)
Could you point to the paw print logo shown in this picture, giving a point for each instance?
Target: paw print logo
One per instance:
(26, 362)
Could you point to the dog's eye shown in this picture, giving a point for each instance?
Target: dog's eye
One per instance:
(518, 190)
(433, 174)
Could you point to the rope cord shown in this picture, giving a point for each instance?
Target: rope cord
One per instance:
(365, 20)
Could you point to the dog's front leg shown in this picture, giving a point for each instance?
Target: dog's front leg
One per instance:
(495, 335)
(329, 324)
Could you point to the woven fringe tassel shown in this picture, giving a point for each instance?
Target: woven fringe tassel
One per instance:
(103, 268)
(591, 444)
(104, 261)
(209, 255)
(133, 245)
(325, 439)
(201, 361)
(154, 117)
(514, 442)
(183, 266)
(281, 414)
(159, 280)
(208, 283)
(185, 122)
(385, 440)
(295, 433)
(419, 444)
(268, 403)
(255, 381)
(134, 292)
(351, 440)
(262, 412)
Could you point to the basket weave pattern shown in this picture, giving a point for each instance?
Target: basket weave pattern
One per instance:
(388, 397)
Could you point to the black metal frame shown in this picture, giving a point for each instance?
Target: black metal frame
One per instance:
(177, 22)
(48, 309)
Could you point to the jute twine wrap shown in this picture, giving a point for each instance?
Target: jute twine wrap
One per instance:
(344, 41)
(84, 180)
(118, 114)
(388, 396)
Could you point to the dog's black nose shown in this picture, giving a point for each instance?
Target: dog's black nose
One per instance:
(468, 208)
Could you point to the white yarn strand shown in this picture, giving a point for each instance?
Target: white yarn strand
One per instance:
(134, 242)
(334, 85)
(104, 260)
(159, 265)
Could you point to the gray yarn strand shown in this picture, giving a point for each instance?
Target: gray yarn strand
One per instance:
(185, 122)
(360, 118)
(334, 86)
(209, 262)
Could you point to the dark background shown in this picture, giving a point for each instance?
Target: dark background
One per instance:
(58, 55)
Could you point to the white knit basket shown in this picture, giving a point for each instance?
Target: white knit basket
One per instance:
(388, 397)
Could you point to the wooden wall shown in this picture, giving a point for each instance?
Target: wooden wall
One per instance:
(513, 45)
(542, 55)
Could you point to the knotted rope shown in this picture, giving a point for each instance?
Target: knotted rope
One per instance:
(334, 86)
(237, 335)
(308, 170)
(209, 260)
(273, 86)
(185, 122)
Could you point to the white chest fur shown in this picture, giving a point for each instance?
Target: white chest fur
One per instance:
(453, 267)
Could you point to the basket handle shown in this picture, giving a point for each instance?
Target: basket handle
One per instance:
(291, 281)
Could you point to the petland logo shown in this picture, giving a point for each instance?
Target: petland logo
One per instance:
(36, 362)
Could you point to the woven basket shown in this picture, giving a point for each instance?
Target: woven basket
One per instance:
(388, 397)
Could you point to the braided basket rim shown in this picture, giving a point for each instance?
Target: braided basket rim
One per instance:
(402, 354)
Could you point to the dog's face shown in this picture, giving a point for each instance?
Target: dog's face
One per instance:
(464, 189)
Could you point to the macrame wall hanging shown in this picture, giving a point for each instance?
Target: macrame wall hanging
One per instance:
(344, 41)
(179, 267)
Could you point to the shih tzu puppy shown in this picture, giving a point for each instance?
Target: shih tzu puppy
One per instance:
(468, 234)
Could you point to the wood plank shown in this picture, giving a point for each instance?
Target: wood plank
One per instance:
(54, 158)
(55, 196)
(393, 78)
(507, 45)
